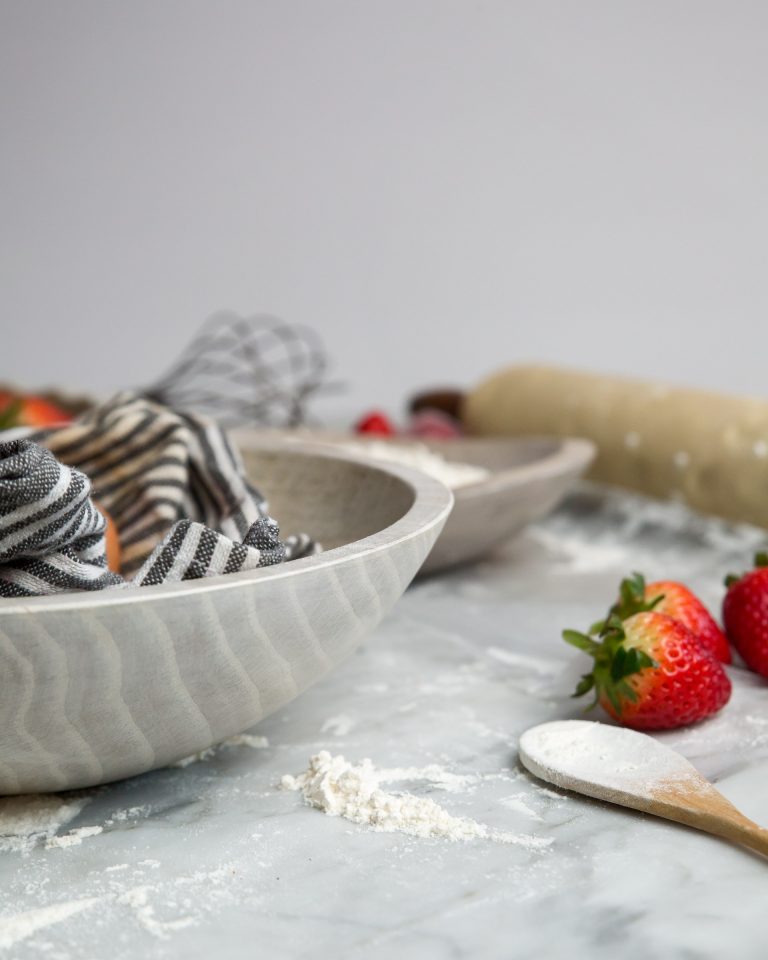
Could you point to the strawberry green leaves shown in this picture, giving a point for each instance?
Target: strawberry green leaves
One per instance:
(614, 661)
(631, 601)
(632, 598)
(657, 656)
(584, 685)
(9, 415)
(581, 641)
(629, 660)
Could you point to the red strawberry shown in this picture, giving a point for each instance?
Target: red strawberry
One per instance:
(651, 673)
(376, 423)
(745, 615)
(27, 410)
(678, 602)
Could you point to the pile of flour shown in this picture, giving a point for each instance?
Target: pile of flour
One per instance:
(419, 456)
(353, 791)
(26, 820)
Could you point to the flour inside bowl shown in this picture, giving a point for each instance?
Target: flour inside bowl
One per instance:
(449, 472)
(353, 791)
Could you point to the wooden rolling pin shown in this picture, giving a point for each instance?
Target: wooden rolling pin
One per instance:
(708, 449)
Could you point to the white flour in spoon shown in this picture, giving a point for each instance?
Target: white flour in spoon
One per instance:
(353, 791)
(565, 752)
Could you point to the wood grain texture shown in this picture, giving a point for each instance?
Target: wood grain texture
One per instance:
(700, 805)
(635, 770)
(104, 686)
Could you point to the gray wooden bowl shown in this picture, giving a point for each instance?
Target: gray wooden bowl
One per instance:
(528, 478)
(96, 687)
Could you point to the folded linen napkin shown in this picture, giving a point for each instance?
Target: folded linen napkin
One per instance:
(52, 537)
(151, 466)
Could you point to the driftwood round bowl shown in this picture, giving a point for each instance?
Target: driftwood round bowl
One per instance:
(527, 477)
(96, 687)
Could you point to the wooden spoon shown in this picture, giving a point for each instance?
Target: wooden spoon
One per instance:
(632, 769)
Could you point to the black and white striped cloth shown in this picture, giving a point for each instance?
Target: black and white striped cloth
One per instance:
(151, 466)
(192, 551)
(172, 483)
(51, 535)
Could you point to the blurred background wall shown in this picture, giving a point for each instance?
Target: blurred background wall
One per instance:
(437, 186)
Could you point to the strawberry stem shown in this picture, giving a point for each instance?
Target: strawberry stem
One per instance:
(632, 598)
(761, 560)
(9, 415)
(614, 662)
(581, 641)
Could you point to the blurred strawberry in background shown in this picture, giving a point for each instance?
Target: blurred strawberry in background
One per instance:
(29, 410)
(377, 423)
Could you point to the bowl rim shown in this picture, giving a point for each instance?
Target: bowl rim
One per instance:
(432, 502)
(570, 455)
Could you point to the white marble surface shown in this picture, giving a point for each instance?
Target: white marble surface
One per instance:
(211, 860)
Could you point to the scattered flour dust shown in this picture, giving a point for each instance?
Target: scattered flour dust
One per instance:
(339, 726)
(73, 838)
(238, 740)
(517, 803)
(27, 819)
(433, 773)
(353, 791)
(19, 926)
(541, 665)
(138, 899)
(577, 555)
(246, 740)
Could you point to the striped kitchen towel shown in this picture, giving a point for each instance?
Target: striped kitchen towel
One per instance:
(151, 466)
(52, 537)
(172, 483)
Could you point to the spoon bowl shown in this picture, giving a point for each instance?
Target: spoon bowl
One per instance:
(634, 770)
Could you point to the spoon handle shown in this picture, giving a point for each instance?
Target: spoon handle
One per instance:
(705, 808)
(743, 831)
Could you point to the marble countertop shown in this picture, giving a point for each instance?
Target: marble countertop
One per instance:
(212, 860)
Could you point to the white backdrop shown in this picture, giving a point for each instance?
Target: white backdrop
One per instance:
(438, 186)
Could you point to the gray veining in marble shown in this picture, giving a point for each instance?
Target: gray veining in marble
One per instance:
(211, 860)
